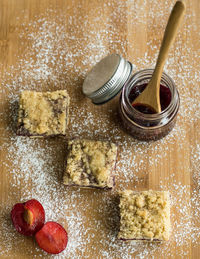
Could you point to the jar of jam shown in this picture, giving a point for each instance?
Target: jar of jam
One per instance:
(113, 74)
(140, 122)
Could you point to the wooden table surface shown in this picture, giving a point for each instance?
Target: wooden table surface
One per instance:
(49, 45)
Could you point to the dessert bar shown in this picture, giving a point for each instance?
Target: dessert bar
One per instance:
(144, 215)
(90, 164)
(43, 113)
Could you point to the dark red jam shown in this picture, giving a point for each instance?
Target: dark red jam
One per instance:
(165, 98)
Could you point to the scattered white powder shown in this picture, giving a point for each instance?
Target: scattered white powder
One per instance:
(58, 51)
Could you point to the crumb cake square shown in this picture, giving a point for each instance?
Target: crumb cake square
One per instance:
(43, 113)
(144, 215)
(90, 164)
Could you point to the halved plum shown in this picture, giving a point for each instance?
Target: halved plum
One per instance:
(52, 238)
(28, 217)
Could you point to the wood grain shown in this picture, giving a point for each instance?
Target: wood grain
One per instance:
(131, 29)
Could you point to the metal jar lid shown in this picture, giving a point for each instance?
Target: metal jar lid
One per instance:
(107, 78)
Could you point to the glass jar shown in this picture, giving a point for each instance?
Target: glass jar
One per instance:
(148, 126)
(113, 74)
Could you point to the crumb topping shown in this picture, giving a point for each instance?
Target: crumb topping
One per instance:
(47, 32)
(43, 112)
(144, 215)
(90, 163)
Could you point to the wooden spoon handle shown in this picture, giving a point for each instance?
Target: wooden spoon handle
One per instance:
(169, 35)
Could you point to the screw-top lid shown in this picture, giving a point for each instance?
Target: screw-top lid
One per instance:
(107, 78)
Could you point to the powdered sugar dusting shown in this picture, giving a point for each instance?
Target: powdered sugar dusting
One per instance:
(58, 51)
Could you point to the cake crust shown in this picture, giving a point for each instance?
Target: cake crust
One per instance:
(144, 215)
(43, 113)
(90, 164)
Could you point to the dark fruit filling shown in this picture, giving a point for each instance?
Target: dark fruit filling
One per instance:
(165, 98)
